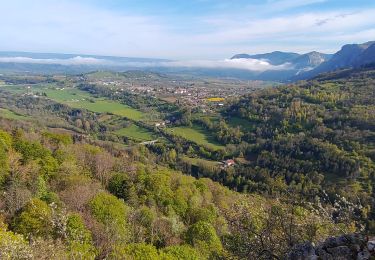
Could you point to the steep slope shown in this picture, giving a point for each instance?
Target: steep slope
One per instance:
(274, 58)
(350, 55)
(310, 60)
(297, 63)
(325, 126)
(367, 57)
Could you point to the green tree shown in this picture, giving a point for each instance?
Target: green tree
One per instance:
(35, 219)
(112, 213)
(13, 246)
(121, 186)
(5, 139)
(203, 236)
(182, 252)
(79, 239)
(5, 145)
(48, 165)
(135, 252)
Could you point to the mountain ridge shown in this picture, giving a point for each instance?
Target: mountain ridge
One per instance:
(306, 61)
(283, 66)
(349, 56)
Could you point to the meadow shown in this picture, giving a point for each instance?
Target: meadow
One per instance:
(198, 135)
(200, 161)
(76, 98)
(240, 122)
(135, 132)
(11, 115)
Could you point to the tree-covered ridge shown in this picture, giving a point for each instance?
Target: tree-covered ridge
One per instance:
(69, 200)
(308, 136)
(312, 139)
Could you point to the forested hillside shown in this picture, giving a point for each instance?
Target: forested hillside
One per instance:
(313, 138)
(301, 169)
(317, 132)
(72, 200)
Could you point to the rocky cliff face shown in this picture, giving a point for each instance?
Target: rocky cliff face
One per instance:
(341, 248)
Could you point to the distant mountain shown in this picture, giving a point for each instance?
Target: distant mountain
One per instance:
(274, 58)
(350, 56)
(282, 66)
(297, 62)
(366, 57)
(310, 60)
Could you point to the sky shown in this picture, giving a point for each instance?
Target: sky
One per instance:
(184, 29)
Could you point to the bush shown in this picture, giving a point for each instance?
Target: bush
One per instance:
(182, 252)
(135, 252)
(35, 219)
(203, 236)
(112, 213)
(79, 239)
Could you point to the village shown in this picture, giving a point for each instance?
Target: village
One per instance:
(195, 93)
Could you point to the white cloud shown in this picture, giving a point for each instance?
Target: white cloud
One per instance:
(78, 60)
(67, 26)
(244, 64)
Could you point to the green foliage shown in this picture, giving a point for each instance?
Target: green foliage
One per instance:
(4, 169)
(5, 145)
(80, 244)
(112, 212)
(135, 252)
(35, 219)
(58, 139)
(203, 236)
(36, 151)
(300, 139)
(41, 187)
(183, 252)
(48, 166)
(13, 246)
(5, 139)
(121, 186)
(206, 214)
(30, 150)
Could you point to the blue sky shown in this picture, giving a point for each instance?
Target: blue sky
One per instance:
(184, 30)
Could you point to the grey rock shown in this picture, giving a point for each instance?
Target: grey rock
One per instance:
(340, 252)
(364, 255)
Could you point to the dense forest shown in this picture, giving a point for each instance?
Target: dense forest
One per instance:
(62, 199)
(314, 138)
(303, 154)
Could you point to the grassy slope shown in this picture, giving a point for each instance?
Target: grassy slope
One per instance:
(80, 99)
(242, 123)
(135, 132)
(197, 134)
(197, 161)
(12, 115)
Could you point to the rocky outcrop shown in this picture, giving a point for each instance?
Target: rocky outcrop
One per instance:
(353, 246)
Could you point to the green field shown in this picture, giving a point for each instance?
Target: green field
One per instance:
(106, 106)
(65, 95)
(198, 135)
(135, 132)
(198, 161)
(15, 88)
(242, 123)
(80, 99)
(11, 115)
